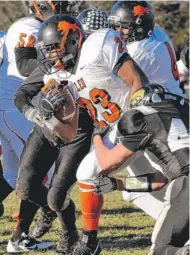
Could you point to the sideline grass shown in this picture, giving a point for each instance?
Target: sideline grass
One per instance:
(124, 229)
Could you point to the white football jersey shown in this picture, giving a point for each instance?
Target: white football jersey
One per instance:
(156, 57)
(23, 33)
(2, 41)
(101, 91)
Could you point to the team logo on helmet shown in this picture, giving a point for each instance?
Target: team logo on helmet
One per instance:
(140, 10)
(65, 27)
(137, 97)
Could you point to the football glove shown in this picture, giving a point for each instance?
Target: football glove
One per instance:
(52, 99)
(102, 131)
(33, 114)
(104, 184)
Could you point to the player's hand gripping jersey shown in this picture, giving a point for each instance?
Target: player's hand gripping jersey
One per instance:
(101, 91)
(156, 56)
(23, 33)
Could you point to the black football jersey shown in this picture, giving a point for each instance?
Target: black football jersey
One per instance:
(161, 128)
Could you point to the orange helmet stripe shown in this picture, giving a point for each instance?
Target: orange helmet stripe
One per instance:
(52, 5)
(65, 27)
(40, 15)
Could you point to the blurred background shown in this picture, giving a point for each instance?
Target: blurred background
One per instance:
(173, 16)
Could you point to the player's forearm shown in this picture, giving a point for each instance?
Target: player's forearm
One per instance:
(133, 75)
(103, 155)
(144, 183)
(30, 88)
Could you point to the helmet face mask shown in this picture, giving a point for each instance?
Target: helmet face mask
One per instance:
(59, 41)
(138, 16)
(45, 9)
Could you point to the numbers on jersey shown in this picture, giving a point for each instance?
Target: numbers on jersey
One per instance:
(173, 61)
(178, 136)
(22, 41)
(119, 41)
(99, 96)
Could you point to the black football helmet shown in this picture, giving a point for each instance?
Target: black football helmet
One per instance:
(93, 19)
(59, 41)
(45, 9)
(151, 93)
(137, 16)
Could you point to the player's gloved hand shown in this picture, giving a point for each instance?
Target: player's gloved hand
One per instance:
(33, 114)
(104, 184)
(102, 131)
(52, 99)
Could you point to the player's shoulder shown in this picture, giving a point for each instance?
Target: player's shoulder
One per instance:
(24, 24)
(150, 45)
(101, 36)
(131, 121)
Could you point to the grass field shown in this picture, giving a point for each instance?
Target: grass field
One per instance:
(124, 230)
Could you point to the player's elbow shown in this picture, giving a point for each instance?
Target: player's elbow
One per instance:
(71, 136)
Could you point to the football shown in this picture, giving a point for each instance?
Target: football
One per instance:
(66, 111)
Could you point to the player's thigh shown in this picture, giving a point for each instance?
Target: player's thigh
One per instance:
(10, 163)
(69, 158)
(173, 222)
(37, 157)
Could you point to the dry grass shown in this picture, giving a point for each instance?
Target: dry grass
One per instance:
(124, 230)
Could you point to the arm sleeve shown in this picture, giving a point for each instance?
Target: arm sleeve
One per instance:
(26, 59)
(30, 88)
(132, 130)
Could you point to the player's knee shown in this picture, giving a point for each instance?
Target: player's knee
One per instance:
(86, 171)
(58, 199)
(24, 187)
(23, 190)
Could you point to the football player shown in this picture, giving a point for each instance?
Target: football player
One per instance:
(154, 52)
(21, 54)
(46, 143)
(107, 68)
(36, 80)
(148, 45)
(159, 123)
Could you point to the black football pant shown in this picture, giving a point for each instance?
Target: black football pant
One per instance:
(171, 230)
(39, 154)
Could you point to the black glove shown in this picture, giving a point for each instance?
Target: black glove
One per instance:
(51, 100)
(104, 184)
(102, 131)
